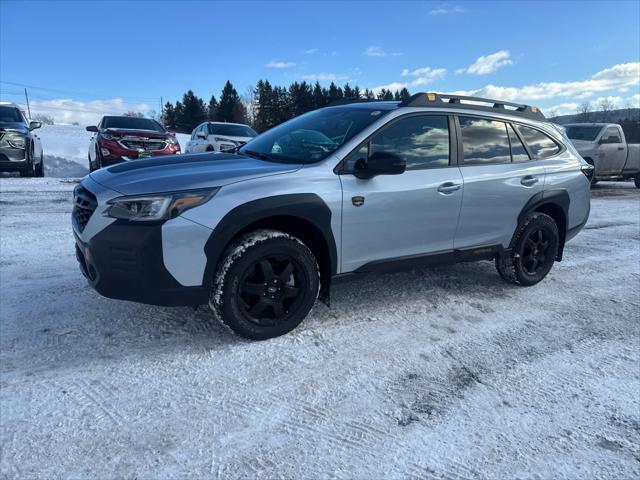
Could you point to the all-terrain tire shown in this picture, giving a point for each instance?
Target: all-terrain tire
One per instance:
(265, 284)
(514, 266)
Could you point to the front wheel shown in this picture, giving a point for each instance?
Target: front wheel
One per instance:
(40, 168)
(266, 284)
(534, 250)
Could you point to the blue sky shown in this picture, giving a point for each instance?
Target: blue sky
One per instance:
(109, 56)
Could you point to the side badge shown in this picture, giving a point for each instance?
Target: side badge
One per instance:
(357, 201)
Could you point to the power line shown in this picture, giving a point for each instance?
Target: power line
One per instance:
(73, 92)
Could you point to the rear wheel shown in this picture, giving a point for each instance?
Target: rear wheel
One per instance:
(533, 252)
(266, 284)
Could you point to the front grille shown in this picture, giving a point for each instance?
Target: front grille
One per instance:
(84, 204)
(146, 145)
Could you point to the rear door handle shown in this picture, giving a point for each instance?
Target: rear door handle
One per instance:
(448, 187)
(528, 181)
(620, 148)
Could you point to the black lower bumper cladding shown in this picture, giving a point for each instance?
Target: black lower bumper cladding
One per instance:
(124, 261)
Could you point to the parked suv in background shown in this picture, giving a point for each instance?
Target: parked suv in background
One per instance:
(344, 190)
(120, 139)
(219, 137)
(20, 147)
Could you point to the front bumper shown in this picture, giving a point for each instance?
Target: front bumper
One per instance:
(119, 154)
(124, 261)
(12, 159)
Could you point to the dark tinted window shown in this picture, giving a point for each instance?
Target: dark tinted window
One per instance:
(423, 141)
(518, 152)
(541, 145)
(10, 115)
(232, 130)
(484, 141)
(132, 123)
(578, 132)
(611, 135)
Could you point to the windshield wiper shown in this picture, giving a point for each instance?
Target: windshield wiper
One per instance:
(261, 156)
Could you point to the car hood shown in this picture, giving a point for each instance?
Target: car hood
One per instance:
(125, 132)
(13, 127)
(235, 139)
(185, 172)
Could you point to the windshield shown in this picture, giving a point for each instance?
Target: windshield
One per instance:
(583, 132)
(10, 115)
(132, 123)
(232, 130)
(313, 136)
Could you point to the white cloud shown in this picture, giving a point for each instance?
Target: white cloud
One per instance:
(390, 86)
(279, 64)
(615, 101)
(375, 51)
(423, 76)
(562, 109)
(311, 51)
(488, 63)
(445, 9)
(618, 76)
(66, 110)
(634, 100)
(326, 77)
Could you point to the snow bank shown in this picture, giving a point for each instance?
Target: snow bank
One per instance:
(66, 149)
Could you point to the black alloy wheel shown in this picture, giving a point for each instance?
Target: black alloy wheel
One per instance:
(535, 255)
(270, 289)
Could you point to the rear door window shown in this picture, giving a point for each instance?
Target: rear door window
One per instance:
(540, 144)
(484, 141)
(518, 152)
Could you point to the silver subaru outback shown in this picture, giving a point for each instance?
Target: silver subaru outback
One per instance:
(360, 187)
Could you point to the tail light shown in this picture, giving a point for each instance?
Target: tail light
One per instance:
(588, 171)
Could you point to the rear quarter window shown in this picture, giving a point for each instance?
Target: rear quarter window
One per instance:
(540, 145)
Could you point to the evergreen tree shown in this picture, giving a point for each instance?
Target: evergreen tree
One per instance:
(368, 94)
(212, 109)
(193, 112)
(404, 94)
(320, 96)
(348, 91)
(356, 92)
(168, 118)
(335, 93)
(231, 108)
(385, 94)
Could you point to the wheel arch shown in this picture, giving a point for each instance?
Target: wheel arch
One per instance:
(554, 203)
(304, 216)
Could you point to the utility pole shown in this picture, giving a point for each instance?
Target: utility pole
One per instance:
(161, 109)
(28, 107)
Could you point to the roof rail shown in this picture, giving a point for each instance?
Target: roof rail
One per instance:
(347, 101)
(455, 101)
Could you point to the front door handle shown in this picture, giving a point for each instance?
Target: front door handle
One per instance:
(529, 181)
(448, 187)
(620, 148)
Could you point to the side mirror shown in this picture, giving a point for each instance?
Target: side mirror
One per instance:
(201, 135)
(380, 163)
(34, 125)
(93, 129)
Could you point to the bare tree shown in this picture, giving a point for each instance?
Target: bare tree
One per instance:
(553, 113)
(131, 113)
(249, 102)
(606, 106)
(584, 111)
(43, 118)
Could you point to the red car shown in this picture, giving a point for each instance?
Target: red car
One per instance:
(121, 139)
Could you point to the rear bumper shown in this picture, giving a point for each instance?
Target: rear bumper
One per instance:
(124, 261)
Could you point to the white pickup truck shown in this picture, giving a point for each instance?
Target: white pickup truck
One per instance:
(604, 146)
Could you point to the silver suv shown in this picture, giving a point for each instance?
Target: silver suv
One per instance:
(344, 190)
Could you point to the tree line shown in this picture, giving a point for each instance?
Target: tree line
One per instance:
(265, 105)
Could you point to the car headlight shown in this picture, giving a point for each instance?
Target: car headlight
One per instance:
(16, 140)
(107, 136)
(172, 139)
(146, 208)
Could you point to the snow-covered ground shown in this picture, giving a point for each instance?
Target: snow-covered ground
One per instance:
(66, 148)
(445, 373)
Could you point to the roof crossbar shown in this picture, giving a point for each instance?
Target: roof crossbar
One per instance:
(473, 103)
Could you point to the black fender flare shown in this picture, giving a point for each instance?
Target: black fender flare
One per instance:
(307, 207)
(557, 197)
